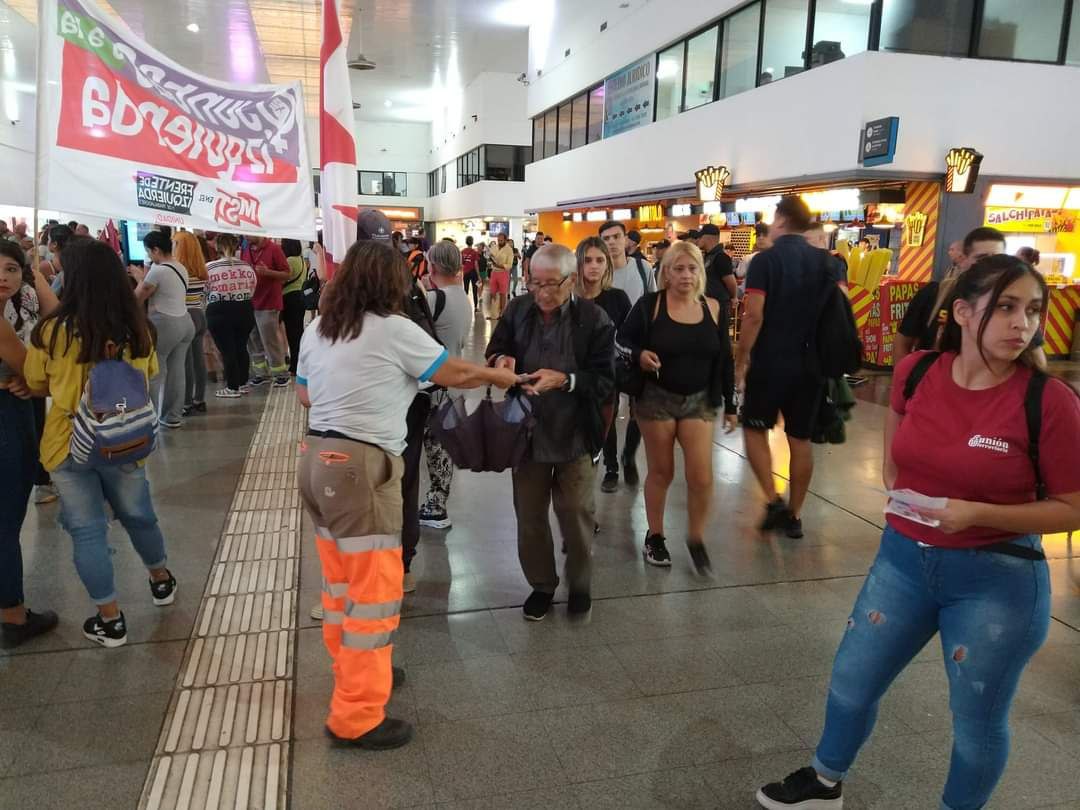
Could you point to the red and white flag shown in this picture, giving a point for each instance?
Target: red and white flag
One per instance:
(337, 149)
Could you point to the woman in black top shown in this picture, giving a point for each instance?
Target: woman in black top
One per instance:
(596, 273)
(676, 337)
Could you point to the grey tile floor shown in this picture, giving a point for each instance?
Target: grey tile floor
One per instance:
(681, 692)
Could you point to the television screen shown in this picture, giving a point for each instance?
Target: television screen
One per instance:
(748, 217)
(133, 235)
(495, 228)
(732, 219)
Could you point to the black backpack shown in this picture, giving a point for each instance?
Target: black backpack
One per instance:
(835, 348)
(1032, 410)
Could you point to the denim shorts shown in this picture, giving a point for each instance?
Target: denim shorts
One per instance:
(657, 404)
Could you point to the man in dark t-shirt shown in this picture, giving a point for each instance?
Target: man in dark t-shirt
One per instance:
(719, 269)
(772, 366)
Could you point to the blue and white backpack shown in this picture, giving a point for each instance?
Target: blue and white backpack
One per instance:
(116, 422)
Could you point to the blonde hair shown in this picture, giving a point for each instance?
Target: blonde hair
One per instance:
(188, 252)
(679, 250)
(584, 246)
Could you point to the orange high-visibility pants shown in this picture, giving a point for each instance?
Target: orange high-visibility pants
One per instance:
(352, 492)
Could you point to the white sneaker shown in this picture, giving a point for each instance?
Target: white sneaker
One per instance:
(317, 612)
(408, 584)
(227, 393)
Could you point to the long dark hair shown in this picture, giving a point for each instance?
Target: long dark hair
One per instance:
(12, 251)
(993, 275)
(372, 278)
(97, 304)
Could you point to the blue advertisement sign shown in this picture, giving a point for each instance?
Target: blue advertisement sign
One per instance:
(628, 97)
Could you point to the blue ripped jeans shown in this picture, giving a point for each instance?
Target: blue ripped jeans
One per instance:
(84, 490)
(993, 613)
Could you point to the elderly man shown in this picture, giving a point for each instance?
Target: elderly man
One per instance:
(566, 345)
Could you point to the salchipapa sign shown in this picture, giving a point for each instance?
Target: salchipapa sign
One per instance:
(129, 133)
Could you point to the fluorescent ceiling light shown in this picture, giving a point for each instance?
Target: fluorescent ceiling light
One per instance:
(1027, 196)
(193, 28)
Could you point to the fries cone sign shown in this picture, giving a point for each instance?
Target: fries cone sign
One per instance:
(711, 182)
(962, 170)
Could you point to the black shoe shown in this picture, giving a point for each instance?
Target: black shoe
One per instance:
(36, 624)
(164, 592)
(699, 556)
(187, 410)
(256, 381)
(610, 482)
(106, 633)
(630, 473)
(579, 604)
(777, 516)
(794, 528)
(536, 607)
(399, 677)
(802, 790)
(390, 733)
(655, 551)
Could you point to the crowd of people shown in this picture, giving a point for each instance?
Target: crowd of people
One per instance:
(973, 420)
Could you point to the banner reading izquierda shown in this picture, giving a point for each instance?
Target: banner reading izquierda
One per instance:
(130, 134)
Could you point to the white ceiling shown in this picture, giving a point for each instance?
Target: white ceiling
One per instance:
(422, 48)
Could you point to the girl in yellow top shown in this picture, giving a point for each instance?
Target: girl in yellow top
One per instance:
(97, 309)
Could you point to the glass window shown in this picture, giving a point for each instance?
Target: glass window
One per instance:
(738, 51)
(564, 128)
(371, 182)
(389, 188)
(1072, 55)
(941, 27)
(840, 29)
(538, 138)
(550, 122)
(442, 180)
(669, 79)
(785, 40)
(596, 114)
(500, 162)
(1029, 30)
(700, 68)
(580, 107)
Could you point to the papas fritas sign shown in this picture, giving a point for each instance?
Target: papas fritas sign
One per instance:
(131, 134)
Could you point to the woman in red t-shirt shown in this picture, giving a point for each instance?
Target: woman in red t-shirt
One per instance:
(977, 575)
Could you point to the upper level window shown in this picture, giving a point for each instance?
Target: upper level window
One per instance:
(915, 26)
(785, 40)
(1072, 55)
(579, 112)
(700, 69)
(669, 82)
(1030, 30)
(596, 114)
(738, 51)
(550, 124)
(564, 128)
(841, 28)
(538, 138)
(385, 184)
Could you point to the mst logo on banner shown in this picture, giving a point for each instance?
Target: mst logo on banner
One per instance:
(135, 135)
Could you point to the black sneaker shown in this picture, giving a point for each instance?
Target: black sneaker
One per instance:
(12, 635)
(282, 381)
(699, 556)
(802, 790)
(536, 607)
(655, 551)
(793, 529)
(255, 381)
(610, 482)
(164, 592)
(390, 733)
(630, 473)
(579, 604)
(434, 518)
(106, 633)
(777, 516)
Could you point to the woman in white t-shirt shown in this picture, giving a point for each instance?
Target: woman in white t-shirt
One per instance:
(230, 315)
(361, 363)
(164, 285)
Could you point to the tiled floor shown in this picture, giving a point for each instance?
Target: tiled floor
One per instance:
(680, 692)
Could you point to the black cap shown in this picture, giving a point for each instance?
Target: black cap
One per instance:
(694, 234)
(710, 230)
(634, 236)
(373, 224)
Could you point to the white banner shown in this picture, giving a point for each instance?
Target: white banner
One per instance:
(130, 134)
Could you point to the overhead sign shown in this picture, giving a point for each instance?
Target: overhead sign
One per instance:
(877, 144)
(628, 95)
(711, 182)
(651, 213)
(1031, 220)
(130, 134)
(962, 170)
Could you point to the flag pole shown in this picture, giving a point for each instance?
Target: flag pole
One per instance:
(39, 129)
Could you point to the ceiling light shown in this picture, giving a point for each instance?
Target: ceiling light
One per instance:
(193, 28)
(361, 62)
